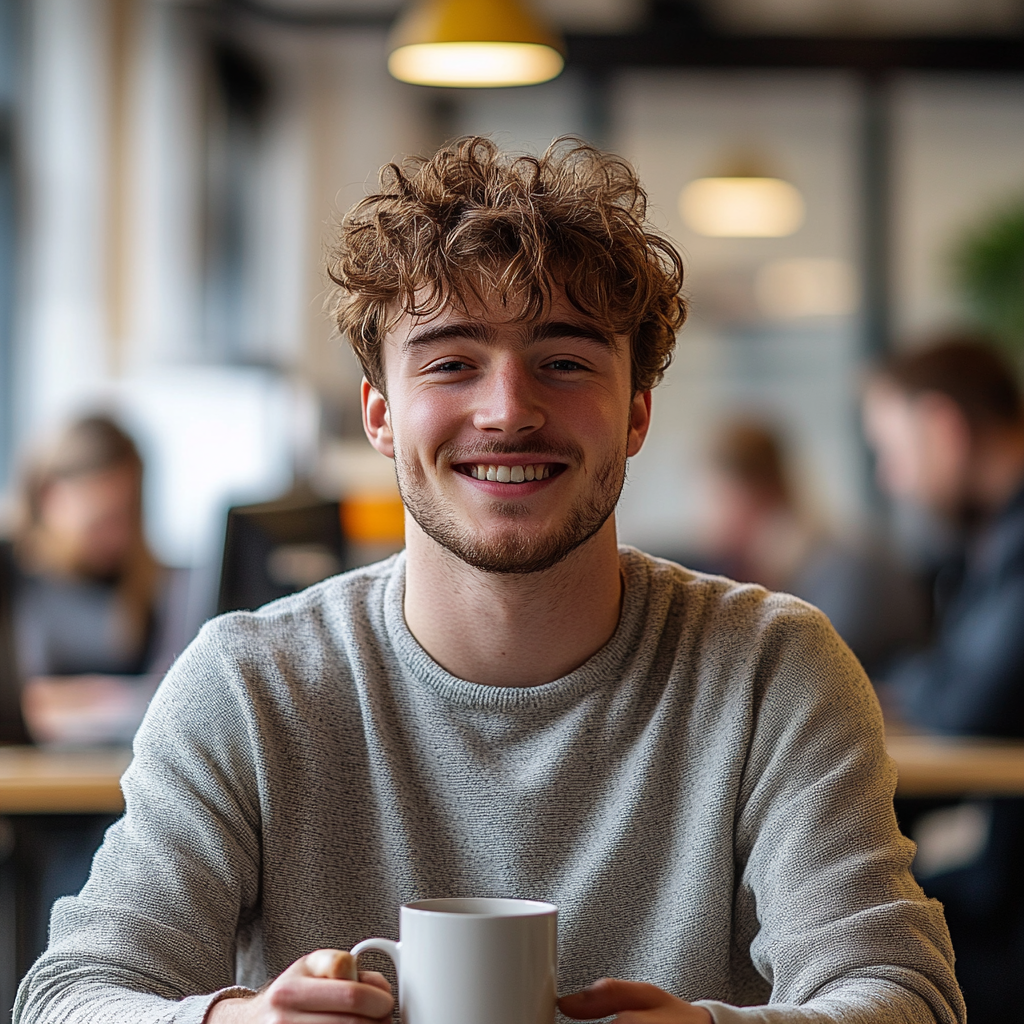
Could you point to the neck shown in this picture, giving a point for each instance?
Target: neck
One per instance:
(509, 630)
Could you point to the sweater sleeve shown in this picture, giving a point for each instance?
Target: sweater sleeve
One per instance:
(152, 936)
(837, 924)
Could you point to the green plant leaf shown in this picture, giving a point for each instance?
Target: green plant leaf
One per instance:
(988, 265)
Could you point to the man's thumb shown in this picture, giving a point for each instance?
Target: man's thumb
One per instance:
(331, 963)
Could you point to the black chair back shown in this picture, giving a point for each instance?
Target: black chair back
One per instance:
(278, 548)
(12, 725)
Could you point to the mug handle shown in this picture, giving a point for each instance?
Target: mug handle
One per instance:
(385, 946)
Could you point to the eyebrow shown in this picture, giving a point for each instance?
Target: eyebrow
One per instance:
(565, 329)
(476, 331)
(443, 332)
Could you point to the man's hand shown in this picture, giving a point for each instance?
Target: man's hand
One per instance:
(631, 1002)
(321, 988)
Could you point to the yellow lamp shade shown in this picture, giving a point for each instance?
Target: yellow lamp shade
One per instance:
(742, 207)
(473, 43)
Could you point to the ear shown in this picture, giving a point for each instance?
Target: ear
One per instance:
(377, 419)
(639, 421)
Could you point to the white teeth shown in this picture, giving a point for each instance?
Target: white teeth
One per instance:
(510, 474)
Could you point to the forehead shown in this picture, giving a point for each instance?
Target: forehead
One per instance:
(893, 419)
(488, 319)
(122, 476)
(882, 393)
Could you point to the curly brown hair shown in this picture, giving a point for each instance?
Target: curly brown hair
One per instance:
(472, 220)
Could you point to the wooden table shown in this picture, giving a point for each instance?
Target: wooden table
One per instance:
(39, 781)
(957, 766)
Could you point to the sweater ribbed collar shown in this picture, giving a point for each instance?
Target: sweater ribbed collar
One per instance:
(608, 664)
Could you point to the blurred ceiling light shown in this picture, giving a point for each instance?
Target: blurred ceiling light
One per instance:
(794, 288)
(473, 43)
(742, 207)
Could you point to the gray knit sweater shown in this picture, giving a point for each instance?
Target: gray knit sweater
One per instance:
(707, 800)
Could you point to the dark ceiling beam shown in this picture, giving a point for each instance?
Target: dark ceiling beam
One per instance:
(302, 18)
(671, 47)
(685, 44)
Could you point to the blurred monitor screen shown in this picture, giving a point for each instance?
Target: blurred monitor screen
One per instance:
(278, 548)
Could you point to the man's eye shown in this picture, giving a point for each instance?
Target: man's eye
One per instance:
(450, 366)
(565, 365)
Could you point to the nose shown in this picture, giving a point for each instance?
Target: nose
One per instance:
(508, 400)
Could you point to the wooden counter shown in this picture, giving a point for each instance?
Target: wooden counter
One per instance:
(39, 781)
(956, 766)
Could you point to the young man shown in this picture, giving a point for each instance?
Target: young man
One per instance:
(692, 770)
(948, 425)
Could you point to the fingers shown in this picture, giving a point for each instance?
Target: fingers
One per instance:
(328, 995)
(326, 982)
(319, 1018)
(609, 996)
(330, 963)
(337, 963)
(375, 978)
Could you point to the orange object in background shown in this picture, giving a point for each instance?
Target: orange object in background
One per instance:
(373, 519)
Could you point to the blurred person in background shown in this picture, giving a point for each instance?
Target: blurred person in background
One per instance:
(947, 424)
(759, 529)
(97, 619)
(96, 622)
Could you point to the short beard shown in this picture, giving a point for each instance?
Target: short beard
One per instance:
(517, 553)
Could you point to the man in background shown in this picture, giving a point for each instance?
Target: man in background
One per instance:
(948, 425)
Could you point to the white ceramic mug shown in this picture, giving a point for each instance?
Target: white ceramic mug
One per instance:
(474, 961)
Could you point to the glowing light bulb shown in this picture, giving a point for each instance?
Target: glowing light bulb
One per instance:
(481, 64)
(474, 43)
(742, 207)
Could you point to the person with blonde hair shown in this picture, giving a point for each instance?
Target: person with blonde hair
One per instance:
(97, 618)
(96, 622)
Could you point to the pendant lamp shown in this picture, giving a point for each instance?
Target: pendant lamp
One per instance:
(742, 201)
(742, 207)
(473, 43)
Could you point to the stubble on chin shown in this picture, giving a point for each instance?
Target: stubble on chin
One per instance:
(516, 551)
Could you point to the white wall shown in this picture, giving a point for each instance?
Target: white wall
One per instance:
(60, 352)
(527, 118)
(802, 373)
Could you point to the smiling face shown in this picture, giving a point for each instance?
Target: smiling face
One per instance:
(510, 438)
